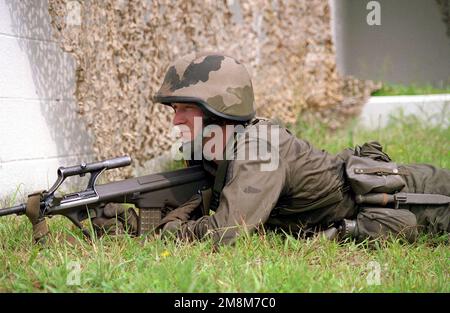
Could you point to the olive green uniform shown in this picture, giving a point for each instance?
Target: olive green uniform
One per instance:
(424, 178)
(308, 190)
(407, 220)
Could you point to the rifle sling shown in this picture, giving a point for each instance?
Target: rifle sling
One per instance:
(220, 175)
(219, 183)
(40, 228)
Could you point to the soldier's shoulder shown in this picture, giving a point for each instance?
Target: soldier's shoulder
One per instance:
(273, 125)
(260, 120)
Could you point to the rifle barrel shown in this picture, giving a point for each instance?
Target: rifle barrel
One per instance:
(18, 209)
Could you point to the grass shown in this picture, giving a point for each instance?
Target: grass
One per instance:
(398, 90)
(406, 138)
(258, 263)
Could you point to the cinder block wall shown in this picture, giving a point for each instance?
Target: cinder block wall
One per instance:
(39, 127)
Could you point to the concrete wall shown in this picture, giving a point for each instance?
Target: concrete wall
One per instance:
(410, 46)
(39, 127)
(379, 111)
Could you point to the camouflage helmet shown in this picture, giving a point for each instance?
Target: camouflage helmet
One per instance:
(219, 84)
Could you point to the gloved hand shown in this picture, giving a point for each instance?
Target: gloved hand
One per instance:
(116, 220)
(183, 212)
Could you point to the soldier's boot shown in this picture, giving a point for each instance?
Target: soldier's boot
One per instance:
(340, 231)
(375, 223)
(348, 229)
(331, 233)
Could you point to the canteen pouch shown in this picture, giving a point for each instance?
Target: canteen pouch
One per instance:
(366, 175)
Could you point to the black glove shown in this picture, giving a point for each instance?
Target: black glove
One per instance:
(116, 220)
(184, 212)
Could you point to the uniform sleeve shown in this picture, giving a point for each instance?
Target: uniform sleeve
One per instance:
(245, 203)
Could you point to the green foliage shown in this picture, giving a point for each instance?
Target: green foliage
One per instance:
(397, 90)
(174, 165)
(258, 263)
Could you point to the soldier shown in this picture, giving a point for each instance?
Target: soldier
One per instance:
(292, 186)
(309, 190)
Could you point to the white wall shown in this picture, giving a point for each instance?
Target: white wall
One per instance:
(39, 127)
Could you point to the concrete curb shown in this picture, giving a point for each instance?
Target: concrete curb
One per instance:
(433, 108)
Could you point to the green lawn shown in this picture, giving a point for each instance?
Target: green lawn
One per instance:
(398, 90)
(259, 263)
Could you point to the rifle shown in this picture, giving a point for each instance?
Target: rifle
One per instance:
(151, 194)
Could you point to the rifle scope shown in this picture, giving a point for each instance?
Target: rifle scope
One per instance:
(94, 168)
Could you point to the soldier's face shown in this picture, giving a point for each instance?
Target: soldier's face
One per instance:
(188, 116)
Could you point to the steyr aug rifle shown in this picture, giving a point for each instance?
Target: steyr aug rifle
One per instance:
(152, 194)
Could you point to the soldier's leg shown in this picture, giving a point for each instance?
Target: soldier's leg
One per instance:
(374, 223)
(433, 219)
(424, 178)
